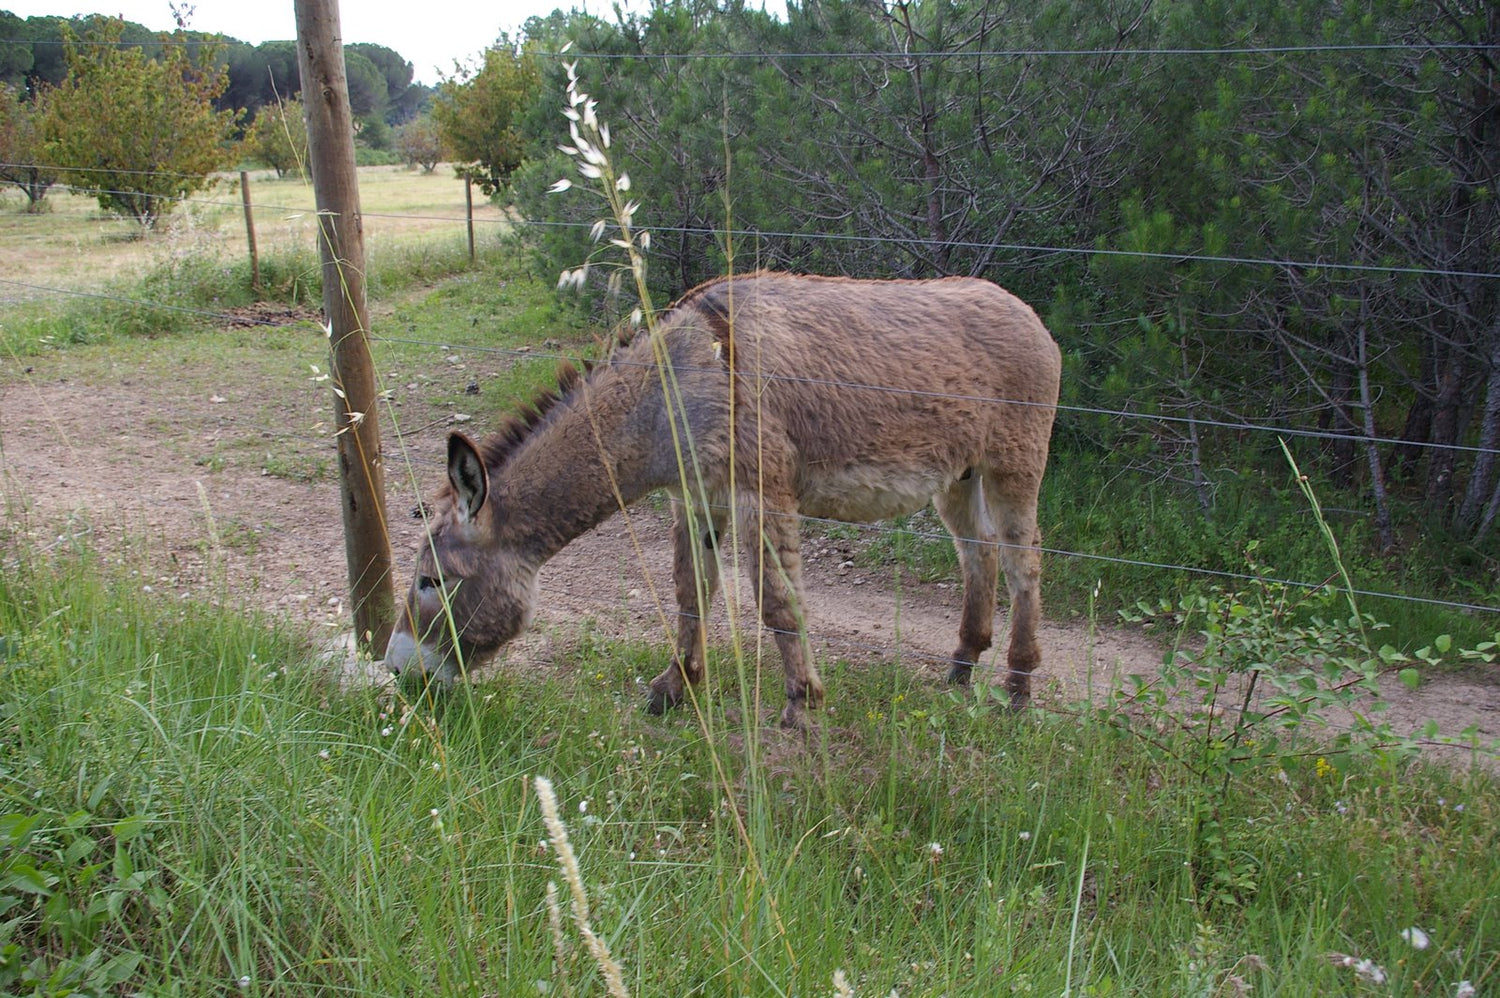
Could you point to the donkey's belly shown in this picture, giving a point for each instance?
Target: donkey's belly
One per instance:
(863, 495)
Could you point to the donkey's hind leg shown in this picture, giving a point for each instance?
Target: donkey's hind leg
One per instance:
(1012, 503)
(776, 567)
(965, 512)
(695, 573)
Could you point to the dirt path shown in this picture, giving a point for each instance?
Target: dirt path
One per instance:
(121, 458)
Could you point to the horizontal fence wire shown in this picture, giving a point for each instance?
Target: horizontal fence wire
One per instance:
(1039, 248)
(904, 55)
(439, 466)
(1019, 52)
(518, 354)
(1280, 431)
(837, 237)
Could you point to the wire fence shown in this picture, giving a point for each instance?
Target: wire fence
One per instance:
(1064, 410)
(1156, 418)
(877, 54)
(832, 237)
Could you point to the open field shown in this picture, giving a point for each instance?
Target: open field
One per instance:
(74, 245)
(196, 800)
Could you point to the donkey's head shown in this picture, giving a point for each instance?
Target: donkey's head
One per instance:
(470, 594)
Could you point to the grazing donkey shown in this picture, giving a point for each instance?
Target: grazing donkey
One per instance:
(782, 395)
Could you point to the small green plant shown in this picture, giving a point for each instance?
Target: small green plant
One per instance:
(212, 463)
(69, 893)
(1241, 692)
(295, 467)
(1253, 671)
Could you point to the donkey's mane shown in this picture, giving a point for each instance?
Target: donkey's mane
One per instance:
(497, 447)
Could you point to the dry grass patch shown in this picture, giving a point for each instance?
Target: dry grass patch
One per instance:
(75, 246)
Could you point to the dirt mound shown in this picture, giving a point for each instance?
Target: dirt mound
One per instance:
(265, 313)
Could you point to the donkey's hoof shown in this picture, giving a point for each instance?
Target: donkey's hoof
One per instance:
(959, 674)
(659, 700)
(795, 717)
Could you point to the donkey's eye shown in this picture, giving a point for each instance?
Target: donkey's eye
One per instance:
(426, 584)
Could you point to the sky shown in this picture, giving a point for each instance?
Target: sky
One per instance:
(431, 34)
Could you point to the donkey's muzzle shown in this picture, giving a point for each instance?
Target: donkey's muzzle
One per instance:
(409, 658)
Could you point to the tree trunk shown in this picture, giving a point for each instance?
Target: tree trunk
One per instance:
(932, 167)
(1481, 479)
(1445, 424)
(1372, 454)
(1407, 457)
(1341, 450)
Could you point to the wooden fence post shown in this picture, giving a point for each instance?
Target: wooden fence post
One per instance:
(469, 206)
(250, 233)
(330, 142)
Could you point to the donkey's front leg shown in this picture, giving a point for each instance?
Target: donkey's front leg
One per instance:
(776, 565)
(695, 572)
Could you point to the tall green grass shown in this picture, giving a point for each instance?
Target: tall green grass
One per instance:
(192, 803)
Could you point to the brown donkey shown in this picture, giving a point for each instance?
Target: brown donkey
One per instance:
(765, 396)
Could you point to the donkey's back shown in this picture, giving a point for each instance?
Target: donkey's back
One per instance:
(883, 392)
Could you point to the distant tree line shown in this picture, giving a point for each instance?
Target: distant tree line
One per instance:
(1268, 212)
(382, 94)
(143, 118)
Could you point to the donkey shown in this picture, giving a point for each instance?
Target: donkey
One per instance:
(764, 396)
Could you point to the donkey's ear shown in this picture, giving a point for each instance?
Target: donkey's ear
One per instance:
(467, 476)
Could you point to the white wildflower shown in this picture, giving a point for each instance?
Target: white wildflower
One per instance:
(1416, 938)
(560, 186)
(1366, 970)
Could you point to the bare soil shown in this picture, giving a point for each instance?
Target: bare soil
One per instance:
(167, 474)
